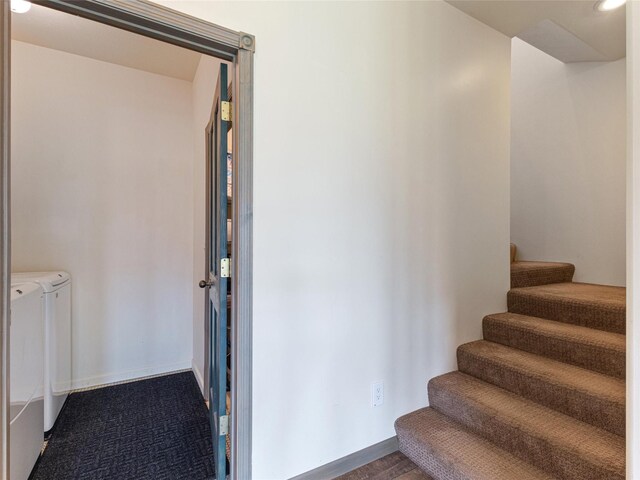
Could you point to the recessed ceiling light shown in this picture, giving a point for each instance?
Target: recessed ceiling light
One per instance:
(607, 5)
(20, 6)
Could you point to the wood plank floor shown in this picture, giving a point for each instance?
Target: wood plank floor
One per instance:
(392, 467)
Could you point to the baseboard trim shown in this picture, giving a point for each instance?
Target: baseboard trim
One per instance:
(352, 461)
(198, 375)
(131, 375)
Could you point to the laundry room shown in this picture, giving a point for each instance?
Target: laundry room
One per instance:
(106, 205)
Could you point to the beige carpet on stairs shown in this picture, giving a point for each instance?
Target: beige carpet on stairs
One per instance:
(602, 352)
(542, 396)
(595, 306)
(531, 274)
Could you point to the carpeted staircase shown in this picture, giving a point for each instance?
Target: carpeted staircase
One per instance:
(542, 396)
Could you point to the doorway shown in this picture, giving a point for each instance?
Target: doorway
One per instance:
(237, 49)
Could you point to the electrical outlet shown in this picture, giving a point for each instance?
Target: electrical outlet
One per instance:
(377, 394)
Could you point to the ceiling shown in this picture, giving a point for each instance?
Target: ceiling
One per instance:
(570, 30)
(61, 31)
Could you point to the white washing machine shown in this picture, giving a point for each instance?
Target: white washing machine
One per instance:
(26, 403)
(57, 334)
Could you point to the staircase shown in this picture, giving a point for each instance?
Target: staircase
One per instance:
(542, 396)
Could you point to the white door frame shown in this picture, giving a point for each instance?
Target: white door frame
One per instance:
(152, 20)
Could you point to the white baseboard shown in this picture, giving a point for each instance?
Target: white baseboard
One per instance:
(199, 376)
(117, 377)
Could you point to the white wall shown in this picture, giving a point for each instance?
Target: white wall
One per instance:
(204, 84)
(381, 212)
(568, 144)
(102, 187)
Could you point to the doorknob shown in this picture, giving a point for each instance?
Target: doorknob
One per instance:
(204, 284)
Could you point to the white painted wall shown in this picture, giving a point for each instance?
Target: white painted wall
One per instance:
(568, 142)
(381, 212)
(204, 84)
(633, 240)
(103, 188)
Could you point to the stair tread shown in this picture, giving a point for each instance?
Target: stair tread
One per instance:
(447, 451)
(584, 293)
(527, 273)
(542, 435)
(551, 370)
(528, 265)
(537, 265)
(589, 348)
(565, 331)
(595, 306)
(590, 396)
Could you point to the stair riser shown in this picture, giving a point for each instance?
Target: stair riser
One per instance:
(605, 318)
(541, 277)
(591, 357)
(445, 450)
(554, 459)
(591, 409)
(428, 460)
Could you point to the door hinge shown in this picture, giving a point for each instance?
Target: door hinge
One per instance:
(227, 111)
(224, 425)
(225, 268)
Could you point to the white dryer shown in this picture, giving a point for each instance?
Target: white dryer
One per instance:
(57, 334)
(26, 403)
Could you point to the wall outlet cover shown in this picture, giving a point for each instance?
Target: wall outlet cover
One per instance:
(377, 394)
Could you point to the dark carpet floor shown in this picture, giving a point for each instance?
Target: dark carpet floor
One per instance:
(152, 429)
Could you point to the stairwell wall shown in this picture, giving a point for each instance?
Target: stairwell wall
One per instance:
(568, 163)
(381, 217)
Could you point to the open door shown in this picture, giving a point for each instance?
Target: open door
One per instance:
(218, 270)
(161, 23)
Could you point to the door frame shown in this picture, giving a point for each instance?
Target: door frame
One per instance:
(216, 236)
(633, 241)
(161, 23)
